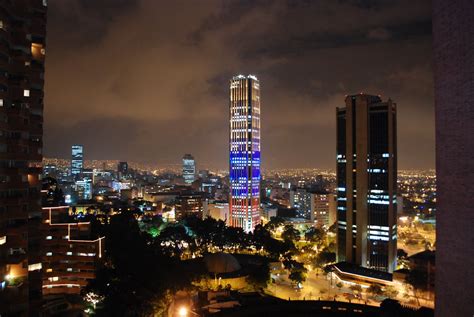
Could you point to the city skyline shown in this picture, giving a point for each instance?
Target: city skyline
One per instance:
(343, 86)
(196, 63)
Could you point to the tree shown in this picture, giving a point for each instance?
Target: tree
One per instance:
(357, 290)
(390, 291)
(375, 289)
(315, 235)
(260, 236)
(297, 277)
(274, 223)
(297, 271)
(173, 240)
(275, 247)
(418, 280)
(324, 257)
(259, 277)
(290, 234)
(129, 281)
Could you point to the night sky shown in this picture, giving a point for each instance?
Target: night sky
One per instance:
(148, 80)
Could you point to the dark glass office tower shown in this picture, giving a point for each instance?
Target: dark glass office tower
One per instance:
(77, 160)
(22, 54)
(244, 156)
(367, 182)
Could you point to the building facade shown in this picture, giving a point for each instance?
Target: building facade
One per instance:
(22, 55)
(321, 208)
(244, 152)
(367, 182)
(189, 169)
(77, 160)
(453, 65)
(300, 198)
(70, 254)
(122, 169)
(190, 204)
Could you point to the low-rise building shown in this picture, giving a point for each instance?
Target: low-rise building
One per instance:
(70, 253)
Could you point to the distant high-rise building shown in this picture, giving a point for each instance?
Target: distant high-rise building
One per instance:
(300, 198)
(453, 43)
(84, 188)
(122, 168)
(50, 170)
(189, 169)
(191, 203)
(22, 54)
(244, 158)
(367, 182)
(321, 203)
(77, 160)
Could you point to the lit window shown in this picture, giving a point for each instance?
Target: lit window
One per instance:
(49, 253)
(1, 102)
(26, 93)
(69, 253)
(3, 240)
(49, 270)
(69, 269)
(49, 238)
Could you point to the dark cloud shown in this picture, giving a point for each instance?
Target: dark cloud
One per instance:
(148, 80)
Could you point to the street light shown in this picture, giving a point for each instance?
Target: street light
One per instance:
(183, 312)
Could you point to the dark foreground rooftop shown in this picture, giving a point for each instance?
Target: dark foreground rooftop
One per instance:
(270, 306)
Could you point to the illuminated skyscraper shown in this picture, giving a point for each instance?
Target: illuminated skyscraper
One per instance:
(244, 150)
(367, 182)
(189, 169)
(22, 54)
(77, 160)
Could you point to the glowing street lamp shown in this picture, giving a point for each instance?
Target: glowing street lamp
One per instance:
(183, 312)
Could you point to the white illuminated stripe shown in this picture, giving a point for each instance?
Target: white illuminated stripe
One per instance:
(385, 228)
(379, 233)
(378, 238)
(61, 285)
(35, 267)
(378, 202)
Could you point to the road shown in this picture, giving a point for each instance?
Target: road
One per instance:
(321, 287)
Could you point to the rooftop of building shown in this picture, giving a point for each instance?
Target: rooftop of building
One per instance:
(219, 263)
(240, 76)
(363, 272)
(426, 255)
